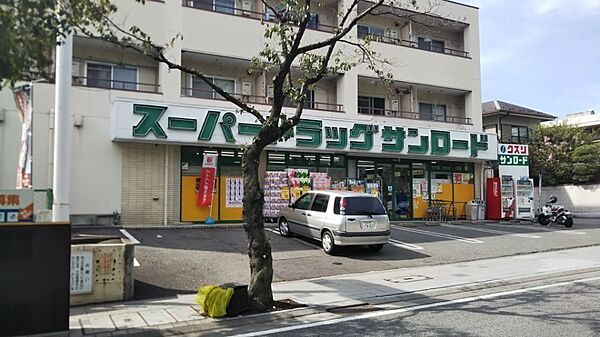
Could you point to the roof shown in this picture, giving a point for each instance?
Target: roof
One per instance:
(589, 119)
(499, 107)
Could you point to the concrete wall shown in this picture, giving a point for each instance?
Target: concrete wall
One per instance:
(10, 138)
(582, 200)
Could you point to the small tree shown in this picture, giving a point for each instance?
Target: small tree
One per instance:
(551, 152)
(298, 65)
(586, 162)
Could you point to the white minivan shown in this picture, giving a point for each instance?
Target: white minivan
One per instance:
(337, 218)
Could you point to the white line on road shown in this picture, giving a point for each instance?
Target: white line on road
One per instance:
(413, 308)
(404, 245)
(439, 235)
(493, 231)
(544, 228)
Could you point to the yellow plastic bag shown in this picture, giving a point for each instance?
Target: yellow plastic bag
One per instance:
(214, 300)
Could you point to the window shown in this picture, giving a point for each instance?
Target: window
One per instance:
(431, 45)
(434, 112)
(373, 32)
(309, 101)
(519, 134)
(304, 201)
(201, 89)
(223, 6)
(313, 21)
(111, 76)
(363, 206)
(371, 105)
(336, 205)
(320, 203)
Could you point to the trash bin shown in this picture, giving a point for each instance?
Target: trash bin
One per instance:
(472, 210)
(481, 210)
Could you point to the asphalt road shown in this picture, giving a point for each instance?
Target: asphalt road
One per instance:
(569, 310)
(180, 260)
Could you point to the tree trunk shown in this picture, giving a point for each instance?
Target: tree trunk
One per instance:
(259, 248)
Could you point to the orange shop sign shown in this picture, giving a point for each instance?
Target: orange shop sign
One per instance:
(16, 206)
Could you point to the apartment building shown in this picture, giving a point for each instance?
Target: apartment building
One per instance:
(418, 142)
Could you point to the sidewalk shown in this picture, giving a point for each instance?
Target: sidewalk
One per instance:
(134, 317)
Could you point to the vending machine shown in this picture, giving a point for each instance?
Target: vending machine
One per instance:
(524, 198)
(508, 197)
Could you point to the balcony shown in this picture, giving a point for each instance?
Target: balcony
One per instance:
(320, 19)
(412, 101)
(97, 64)
(259, 100)
(416, 45)
(414, 115)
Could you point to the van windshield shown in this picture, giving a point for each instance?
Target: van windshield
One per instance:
(364, 206)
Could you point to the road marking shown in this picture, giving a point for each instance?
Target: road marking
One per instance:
(544, 228)
(276, 231)
(404, 245)
(413, 308)
(493, 231)
(439, 235)
(130, 237)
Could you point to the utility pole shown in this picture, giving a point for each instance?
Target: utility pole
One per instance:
(61, 207)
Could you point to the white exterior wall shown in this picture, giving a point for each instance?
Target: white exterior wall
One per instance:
(99, 173)
(582, 200)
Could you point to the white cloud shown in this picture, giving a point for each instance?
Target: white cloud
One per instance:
(543, 7)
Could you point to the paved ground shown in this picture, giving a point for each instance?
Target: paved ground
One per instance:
(571, 310)
(178, 261)
(456, 298)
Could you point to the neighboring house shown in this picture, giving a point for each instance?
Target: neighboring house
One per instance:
(512, 123)
(586, 119)
(422, 140)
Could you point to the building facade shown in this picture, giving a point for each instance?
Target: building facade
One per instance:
(140, 130)
(510, 122)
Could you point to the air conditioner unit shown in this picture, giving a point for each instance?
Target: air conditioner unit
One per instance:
(75, 69)
(395, 105)
(246, 8)
(246, 88)
(392, 34)
(270, 91)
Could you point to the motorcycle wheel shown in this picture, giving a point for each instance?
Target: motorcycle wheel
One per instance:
(569, 223)
(543, 220)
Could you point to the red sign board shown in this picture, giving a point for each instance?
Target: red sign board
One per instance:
(207, 183)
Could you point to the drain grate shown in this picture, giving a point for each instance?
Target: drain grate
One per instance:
(355, 309)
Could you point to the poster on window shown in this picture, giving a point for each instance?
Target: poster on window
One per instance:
(234, 192)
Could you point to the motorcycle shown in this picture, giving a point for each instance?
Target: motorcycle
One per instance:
(552, 213)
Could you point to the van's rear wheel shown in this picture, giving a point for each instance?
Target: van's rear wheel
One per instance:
(328, 243)
(375, 248)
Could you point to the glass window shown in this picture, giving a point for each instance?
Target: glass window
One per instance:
(124, 78)
(201, 89)
(426, 43)
(336, 205)
(313, 21)
(435, 112)
(320, 203)
(225, 6)
(309, 102)
(371, 105)
(439, 113)
(364, 31)
(363, 206)
(203, 4)
(519, 134)
(304, 201)
(98, 75)
(425, 111)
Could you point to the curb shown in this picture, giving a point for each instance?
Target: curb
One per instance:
(203, 226)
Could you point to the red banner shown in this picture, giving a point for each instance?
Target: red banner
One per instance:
(207, 184)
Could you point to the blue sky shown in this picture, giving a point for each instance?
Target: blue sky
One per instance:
(542, 54)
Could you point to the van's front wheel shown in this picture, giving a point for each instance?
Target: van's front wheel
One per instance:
(328, 243)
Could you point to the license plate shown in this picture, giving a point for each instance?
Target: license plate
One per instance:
(368, 224)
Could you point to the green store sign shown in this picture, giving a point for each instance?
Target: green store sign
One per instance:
(183, 124)
(513, 160)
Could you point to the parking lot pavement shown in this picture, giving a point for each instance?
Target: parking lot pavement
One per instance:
(180, 260)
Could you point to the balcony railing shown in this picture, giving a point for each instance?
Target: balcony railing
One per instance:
(414, 115)
(260, 100)
(414, 44)
(213, 7)
(115, 84)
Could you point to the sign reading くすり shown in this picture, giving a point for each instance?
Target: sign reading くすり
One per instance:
(219, 126)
